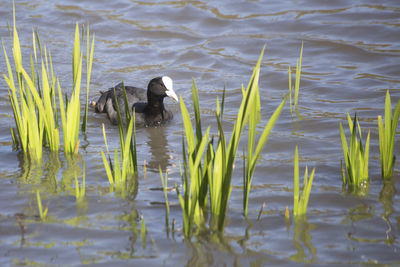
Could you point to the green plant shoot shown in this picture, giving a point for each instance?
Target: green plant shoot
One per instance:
(300, 202)
(387, 134)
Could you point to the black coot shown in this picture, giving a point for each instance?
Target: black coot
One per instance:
(150, 113)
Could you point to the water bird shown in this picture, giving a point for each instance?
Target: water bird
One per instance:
(148, 105)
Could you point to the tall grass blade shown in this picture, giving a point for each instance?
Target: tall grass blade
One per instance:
(300, 202)
(164, 182)
(387, 134)
(89, 62)
(298, 74)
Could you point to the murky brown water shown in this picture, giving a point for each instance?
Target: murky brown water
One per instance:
(351, 56)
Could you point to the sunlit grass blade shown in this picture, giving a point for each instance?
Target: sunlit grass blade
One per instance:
(76, 56)
(89, 62)
(126, 167)
(300, 202)
(355, 171)
(298, 74)
(164, 181)
(108, 170)
(387, 134)
(252, 157)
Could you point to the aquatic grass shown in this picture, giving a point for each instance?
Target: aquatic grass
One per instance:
(224, 157)
(42, 213)
(118, 173)
(34, 111)
(34, 104)
(355, 172)
(70, 112)
(193, 199)
(213, 167)
(253, 155)
(29, 131)
(297, 82)
(387, 134)
(164, 181)
(89, 62)
(298, 74)
(300, 202)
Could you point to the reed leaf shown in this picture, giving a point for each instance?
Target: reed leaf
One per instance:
(298, 74)
(356, 155)
(387, 134)
(253, 156)
(164, 181)
(300, 202)
(89, 62)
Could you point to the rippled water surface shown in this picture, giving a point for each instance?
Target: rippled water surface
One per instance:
(351, 57)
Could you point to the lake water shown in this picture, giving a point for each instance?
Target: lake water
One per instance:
(351, 57)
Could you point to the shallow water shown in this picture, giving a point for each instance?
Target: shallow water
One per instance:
(351, 56)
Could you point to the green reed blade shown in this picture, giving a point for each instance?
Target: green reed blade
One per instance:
(187, 125)
(89, 61)
(76, 62)
(307, 191)
(117, 172)
(164, 182)
(133, 146)
(105, 138)
(387, 133)
(388, 118)
(202, 146)
(382, 145)
(125, 155)
(108, 169)
(120, 123)
(298, 74)
(267, 129)
(16, 46)
(38, 42)
(223, 102)
(63, 114)
(196, 108)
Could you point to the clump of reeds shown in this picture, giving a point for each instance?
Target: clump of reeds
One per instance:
(387, 134)
(33, 99)
(355, 172)
(213, 168)
(300, 202)
(70, 115)
(126, 167)
(194, 194)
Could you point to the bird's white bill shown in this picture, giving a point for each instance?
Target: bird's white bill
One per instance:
(169, 85)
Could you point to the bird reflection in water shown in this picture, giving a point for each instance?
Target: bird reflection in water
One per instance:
(158, 144)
